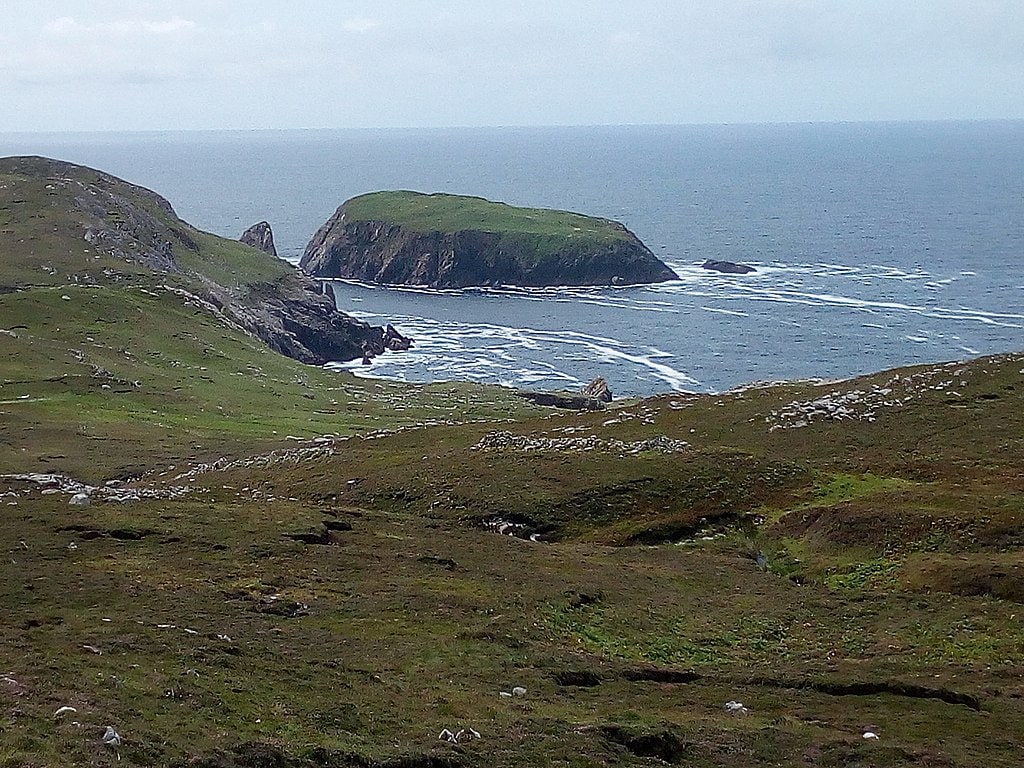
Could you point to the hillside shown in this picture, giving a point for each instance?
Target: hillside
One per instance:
(231, 559)
(838, 558)
(61, 223)
(126, 334)
(451, 241)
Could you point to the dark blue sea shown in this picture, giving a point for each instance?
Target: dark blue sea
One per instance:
(876, 244)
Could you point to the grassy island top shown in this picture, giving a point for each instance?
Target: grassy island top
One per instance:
(454, 213)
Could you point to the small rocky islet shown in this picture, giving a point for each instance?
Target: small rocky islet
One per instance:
(457, 241)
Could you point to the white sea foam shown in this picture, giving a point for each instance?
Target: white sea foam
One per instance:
(501, 354)
(721, 311)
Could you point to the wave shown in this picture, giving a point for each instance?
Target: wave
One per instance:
(513, 356)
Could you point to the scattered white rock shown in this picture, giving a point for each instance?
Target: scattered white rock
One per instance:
(870, 735)
(50, 484)
(506, 441)
(865, 404)
(735, 708)
(80, 500)
(111, 737)
(64, 711)
(463, 734)
(519, 691)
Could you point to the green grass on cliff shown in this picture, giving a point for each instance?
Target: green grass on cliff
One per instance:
(455, 213)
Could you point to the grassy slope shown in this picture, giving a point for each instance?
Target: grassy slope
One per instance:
(417, 617)
(174, 383)
(454, 213)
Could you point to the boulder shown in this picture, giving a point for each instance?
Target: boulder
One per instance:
(599, 390)
(728, 267)
(395, 341)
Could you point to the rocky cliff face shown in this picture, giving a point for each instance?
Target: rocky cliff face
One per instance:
(387, 252)
(292, 317)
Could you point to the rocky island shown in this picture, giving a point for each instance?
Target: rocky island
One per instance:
(454, 241)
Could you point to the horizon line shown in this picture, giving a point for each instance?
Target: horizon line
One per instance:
(513, 126)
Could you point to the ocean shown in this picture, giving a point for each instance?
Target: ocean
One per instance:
(875, 244)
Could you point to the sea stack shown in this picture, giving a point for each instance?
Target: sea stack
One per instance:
(260, 236)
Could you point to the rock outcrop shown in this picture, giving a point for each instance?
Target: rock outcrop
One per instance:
(292, 317)
(451, 241)
(593, 397)
(260, 236)
(598, 388)
(727, 267)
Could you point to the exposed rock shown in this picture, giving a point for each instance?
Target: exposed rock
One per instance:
(728, 267)
(395, 341)
(507, 441)
(568, 400)
(391, 250)
(591, 398)
(260, 236)
(293, 318)
(598, 388)
(327, 290)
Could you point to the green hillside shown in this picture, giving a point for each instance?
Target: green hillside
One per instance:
(455, 213)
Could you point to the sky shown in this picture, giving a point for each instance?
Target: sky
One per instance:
(87, 65)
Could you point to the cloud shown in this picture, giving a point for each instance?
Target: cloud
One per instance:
(69, 26)
(321, 62)
(360, 25)
(105, 53)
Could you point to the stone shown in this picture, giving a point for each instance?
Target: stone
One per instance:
(395, 341)
(80, 500)
(598, 388)
(261, 237)
(727, 267)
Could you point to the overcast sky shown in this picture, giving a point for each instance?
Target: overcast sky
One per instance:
(188, 64)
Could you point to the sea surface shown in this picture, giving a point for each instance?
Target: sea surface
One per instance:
(875, 244)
